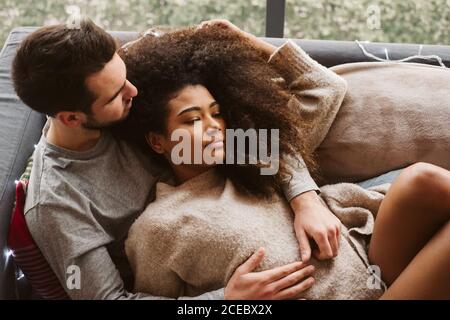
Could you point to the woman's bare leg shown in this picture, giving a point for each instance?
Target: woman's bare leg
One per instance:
(411, 239)
(428, 275)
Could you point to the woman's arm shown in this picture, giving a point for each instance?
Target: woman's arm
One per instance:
(318, 94)
(316, 91)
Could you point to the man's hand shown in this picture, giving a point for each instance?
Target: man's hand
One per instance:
(257, 43)
(314, 220)
(285, 282)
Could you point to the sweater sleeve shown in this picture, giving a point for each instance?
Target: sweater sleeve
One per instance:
(98, 277)
(318, 94)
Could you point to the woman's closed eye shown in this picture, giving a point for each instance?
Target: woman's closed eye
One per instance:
(192, 121)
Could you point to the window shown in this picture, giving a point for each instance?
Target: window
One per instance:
(132, 15)
(413, 21)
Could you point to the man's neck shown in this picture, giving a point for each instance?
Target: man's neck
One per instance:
(75, 139)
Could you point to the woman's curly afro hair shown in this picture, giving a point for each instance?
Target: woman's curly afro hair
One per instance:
(240, 80)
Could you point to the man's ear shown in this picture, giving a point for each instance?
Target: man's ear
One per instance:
(155, 141)
(70, 119)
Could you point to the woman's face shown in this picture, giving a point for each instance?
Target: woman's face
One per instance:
(195, 111)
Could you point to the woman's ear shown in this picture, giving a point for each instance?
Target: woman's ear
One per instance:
(154, 140)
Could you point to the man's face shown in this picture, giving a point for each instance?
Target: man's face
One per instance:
(114, 95)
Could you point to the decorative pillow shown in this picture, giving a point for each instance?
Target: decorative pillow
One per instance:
(26, 253)
(393, 115)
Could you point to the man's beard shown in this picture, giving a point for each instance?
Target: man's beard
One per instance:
(93, 124)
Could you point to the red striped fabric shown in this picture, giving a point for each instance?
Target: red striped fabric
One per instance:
(28, 257)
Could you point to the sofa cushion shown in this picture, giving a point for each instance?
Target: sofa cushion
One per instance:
(26, 253)
(20, 129)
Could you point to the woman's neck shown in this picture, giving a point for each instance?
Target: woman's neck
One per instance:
(186, 172)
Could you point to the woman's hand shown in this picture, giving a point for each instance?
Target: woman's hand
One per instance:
(314, 220)
(221, 23)
(259, 44)
(285, 282)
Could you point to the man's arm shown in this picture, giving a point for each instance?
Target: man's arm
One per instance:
(96, 276)
(76, 251)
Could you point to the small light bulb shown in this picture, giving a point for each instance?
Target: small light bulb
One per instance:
(21, 275)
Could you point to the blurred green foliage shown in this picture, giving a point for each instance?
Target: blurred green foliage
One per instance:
(413, 21)
(417, 21)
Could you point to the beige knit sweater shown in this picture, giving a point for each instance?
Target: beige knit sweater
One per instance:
(193, 236)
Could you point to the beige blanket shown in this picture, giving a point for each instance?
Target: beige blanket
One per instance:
(193, 236)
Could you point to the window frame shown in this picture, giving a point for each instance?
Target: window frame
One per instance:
(275, 18)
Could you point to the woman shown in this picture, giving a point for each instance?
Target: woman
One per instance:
(210, 217)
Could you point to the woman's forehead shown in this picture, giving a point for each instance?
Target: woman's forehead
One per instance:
(192, 95)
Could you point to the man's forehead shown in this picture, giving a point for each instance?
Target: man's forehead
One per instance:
(110, 78)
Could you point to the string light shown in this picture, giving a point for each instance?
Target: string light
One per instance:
(8, 253)
(20, 275)
(417, 56)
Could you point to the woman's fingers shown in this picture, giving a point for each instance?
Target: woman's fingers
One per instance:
(295, 291)
(293, 279)
(225, 24)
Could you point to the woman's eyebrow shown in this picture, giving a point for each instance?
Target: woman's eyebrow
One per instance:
(212, 104)
(196, 108)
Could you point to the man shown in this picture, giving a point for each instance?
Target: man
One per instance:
(86, 188)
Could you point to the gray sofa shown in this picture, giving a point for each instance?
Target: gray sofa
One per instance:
(20, 127)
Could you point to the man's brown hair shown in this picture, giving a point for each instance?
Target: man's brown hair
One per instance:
(51, 66)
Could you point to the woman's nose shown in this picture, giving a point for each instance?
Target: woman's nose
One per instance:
(210, 131)
(212, 122)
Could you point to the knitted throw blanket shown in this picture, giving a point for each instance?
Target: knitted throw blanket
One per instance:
(193, 236)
